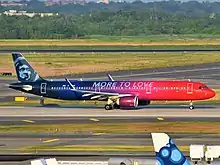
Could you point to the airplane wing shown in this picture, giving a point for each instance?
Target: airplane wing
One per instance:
(87, 93)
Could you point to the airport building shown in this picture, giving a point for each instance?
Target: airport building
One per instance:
(20, 13)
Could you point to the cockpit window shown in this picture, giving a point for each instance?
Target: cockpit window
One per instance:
(203, 87)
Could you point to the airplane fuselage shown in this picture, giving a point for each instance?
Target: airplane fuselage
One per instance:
(144, 90)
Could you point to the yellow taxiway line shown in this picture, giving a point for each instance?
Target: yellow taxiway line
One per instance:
(160, 118)
(50, 141)
(93, 119)
(28, 121)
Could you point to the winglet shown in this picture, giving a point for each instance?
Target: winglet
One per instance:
(110, 77)
(167, 153)
(72, 86)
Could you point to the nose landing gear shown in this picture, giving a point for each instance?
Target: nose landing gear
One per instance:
(191, 107)
(42, 101)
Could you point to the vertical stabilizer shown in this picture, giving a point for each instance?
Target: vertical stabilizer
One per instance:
(25, 72)
(167, 153)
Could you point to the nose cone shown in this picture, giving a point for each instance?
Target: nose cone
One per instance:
(211, 93)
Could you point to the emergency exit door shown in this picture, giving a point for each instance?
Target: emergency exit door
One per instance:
(190, 88)
(43, 88)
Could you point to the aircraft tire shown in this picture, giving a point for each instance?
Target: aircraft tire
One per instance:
(191, 107)
(108, 107)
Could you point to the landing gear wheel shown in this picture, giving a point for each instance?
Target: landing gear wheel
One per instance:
(42, 101)
(191, 107)
(108, 107)
(116, 106)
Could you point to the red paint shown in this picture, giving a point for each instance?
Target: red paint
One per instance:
(166, 90)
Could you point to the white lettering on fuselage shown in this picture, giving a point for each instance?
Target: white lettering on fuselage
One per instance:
(121, 84)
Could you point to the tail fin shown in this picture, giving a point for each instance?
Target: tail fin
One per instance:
(25, 72)
(166, 150)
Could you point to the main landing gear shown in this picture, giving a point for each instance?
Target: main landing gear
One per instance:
(191, 107)
(112, 104)
(108, 107)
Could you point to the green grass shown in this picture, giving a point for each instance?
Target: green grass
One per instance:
(198, 41)
(157, 38)
(160, 47)
(57, 64)
(98, 127)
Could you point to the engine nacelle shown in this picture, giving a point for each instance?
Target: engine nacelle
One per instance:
(143, 102)
(128, 101)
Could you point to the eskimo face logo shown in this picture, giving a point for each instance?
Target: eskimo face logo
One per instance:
(24, 72)
(170, 154)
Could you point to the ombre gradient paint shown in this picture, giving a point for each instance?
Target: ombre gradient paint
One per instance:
(31, 82)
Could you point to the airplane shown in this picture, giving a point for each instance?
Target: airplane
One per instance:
(167, 153)
(117, 94)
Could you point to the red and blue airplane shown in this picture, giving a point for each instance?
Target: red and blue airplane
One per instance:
(117, 94)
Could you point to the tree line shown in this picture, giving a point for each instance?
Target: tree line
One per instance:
(121, 23)
(189, 8)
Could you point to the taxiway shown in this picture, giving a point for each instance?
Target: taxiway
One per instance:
(200, 111)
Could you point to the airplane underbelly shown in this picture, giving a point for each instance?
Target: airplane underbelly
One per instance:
(62, 95)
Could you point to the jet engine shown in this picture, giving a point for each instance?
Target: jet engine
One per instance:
(143, 102)
(128, 102)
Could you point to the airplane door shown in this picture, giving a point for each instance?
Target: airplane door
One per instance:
(148, 89)
(43, 88)
(189, 88)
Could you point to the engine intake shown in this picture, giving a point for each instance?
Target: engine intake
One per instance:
(129, 101)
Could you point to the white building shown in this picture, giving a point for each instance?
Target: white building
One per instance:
(19, 13)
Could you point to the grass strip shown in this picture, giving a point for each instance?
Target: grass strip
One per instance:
(59, 64)
(116, 47)
(118, 40)
(71, 148)
(142, 127)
